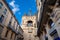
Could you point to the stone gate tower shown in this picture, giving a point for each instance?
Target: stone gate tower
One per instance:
(29, 26)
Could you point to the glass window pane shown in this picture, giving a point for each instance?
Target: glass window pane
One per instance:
(5, 10)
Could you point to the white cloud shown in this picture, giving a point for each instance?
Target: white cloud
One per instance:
(15, 6)
(15, 9)
(12, 3)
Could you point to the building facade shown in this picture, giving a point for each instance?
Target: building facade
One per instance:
(9, 26)
(39, 8)
(50, 21)
(29, 27)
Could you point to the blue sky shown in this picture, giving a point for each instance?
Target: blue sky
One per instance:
(19, 7)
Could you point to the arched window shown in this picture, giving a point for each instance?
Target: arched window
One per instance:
(29, 23)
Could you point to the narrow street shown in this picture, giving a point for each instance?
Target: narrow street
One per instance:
(29, 19)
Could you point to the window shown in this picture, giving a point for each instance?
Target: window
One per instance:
(11, 35)
(14, 23)
(51, 23)
(1, 18)
(52, 15)
(10, 21)
(35, 25)
(5, 10)
(46, 38)
(17, 27)
(30, 31)
(6, 33)
(1, 5)
(29, 23)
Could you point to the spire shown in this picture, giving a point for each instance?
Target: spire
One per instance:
(30, 12)
(35, 14)
(25, 14)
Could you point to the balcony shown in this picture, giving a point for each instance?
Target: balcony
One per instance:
(14, 30)
(20, 32)
(53, 30)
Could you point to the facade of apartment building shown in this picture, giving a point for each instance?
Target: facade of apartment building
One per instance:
(9, 26)
(49, 26)
(40, 4)
(39, 8)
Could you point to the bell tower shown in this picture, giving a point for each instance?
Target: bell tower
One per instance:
(29, 26)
